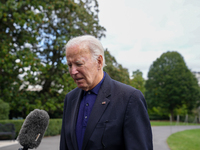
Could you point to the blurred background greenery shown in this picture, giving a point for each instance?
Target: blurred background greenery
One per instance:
(34, 74)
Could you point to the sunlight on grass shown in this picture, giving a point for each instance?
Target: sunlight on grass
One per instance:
(185, 140)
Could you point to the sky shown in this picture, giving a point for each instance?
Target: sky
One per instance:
(140, 31)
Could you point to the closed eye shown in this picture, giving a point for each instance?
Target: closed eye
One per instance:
(79, 64)
(70, 65)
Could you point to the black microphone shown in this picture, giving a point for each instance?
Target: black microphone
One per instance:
(33, 129)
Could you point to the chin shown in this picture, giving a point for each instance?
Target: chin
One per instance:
(82, 87)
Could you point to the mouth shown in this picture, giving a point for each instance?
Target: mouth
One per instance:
(78, 79)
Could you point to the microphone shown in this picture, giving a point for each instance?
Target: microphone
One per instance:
(33, 129)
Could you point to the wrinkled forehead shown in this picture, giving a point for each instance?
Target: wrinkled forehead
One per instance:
(77, 48)
(77, 53)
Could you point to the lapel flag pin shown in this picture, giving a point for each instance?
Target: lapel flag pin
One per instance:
(103, 103)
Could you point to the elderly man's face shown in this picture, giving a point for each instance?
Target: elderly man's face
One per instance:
(82, 67)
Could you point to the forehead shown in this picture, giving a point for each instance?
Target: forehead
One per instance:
(77, 52)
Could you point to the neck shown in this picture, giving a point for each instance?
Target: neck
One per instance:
(98, 79)
(101, 74)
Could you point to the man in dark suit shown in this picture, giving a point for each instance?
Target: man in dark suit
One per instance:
(101, 113)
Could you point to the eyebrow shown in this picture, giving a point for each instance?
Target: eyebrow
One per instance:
(78, 61)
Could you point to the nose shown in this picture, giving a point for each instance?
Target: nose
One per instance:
(73, 70)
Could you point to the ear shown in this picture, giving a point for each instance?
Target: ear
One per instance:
(100, 61)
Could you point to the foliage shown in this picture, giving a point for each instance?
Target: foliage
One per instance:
(33, 73)
(158, 113)
(138, 81)
(115, 70)
(16, 19)
(171, 84)
(4, 110)
(184, 140)
(54, 127)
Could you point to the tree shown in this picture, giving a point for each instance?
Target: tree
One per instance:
(171, 84)
(138, 81)
(17, 29)
(33, 34)
(63, 20)
(115, 70)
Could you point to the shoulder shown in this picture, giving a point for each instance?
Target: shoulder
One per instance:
(123, 87)
(108, 81)
(131, 95)
(127, 91)
(118, 87)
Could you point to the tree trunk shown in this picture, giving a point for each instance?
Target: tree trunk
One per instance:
(172, 114)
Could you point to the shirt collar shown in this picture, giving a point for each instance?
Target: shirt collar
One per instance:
(95, 90)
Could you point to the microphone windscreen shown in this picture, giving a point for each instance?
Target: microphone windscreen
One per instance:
(33, 129)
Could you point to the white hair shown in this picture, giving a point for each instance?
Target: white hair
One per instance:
(90, 42)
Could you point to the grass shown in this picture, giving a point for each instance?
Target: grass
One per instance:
(185, 140)
(168, 123)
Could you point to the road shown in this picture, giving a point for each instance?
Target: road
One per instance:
(160, 135)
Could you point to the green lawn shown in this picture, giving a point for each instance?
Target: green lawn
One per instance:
(185, 140)
(167, 123)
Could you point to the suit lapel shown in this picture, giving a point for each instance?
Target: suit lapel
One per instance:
(75, 106)
(98, 109)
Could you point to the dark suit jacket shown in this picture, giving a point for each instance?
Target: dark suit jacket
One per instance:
(118, 121)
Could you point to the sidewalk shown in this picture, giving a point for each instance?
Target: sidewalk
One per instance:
(7, 143)
(160, 135)
(47, 143)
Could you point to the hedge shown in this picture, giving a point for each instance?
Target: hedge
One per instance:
(54, 127)
(4, 110)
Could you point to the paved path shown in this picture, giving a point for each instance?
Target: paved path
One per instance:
(160, 135)
(48, 143)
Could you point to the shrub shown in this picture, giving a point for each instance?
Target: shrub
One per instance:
(54, 127)
(4, 110)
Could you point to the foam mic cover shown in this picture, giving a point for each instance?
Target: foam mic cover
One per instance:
(33, 129)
